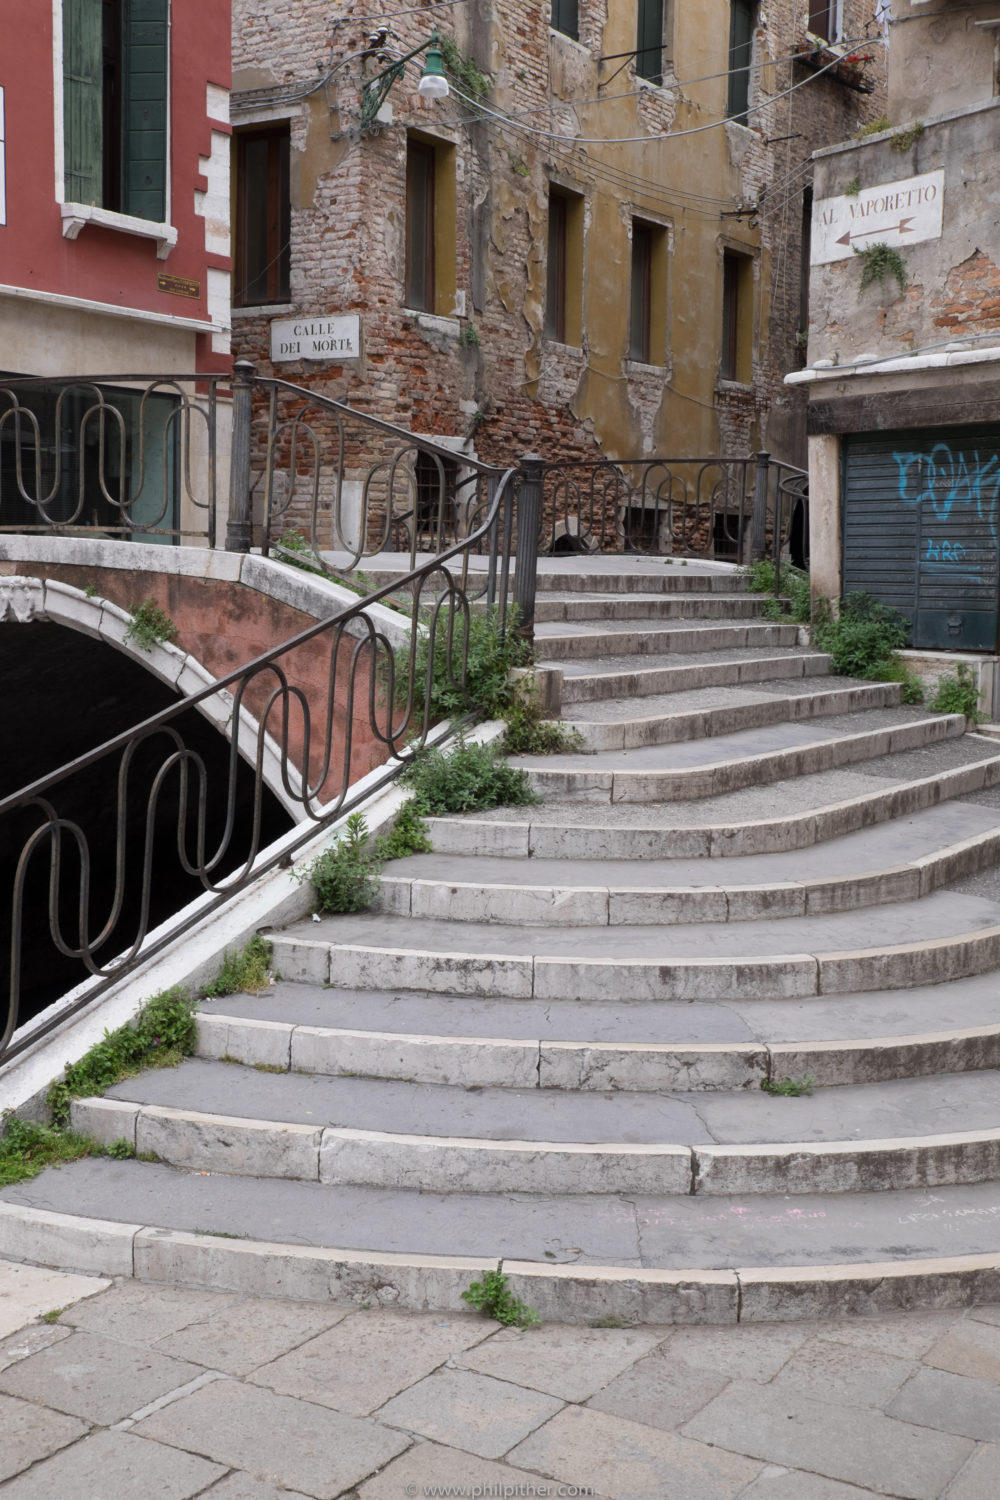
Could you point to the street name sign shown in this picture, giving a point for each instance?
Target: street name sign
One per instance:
(893, 213)
(316, 338)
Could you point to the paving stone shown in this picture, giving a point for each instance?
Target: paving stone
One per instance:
(470, 1411)
(628, 1461)
(258, 1329)
(752, 1351)
(97, 1378)
(661, 1391)
(241, 1486)
(908, 1336)
(985, 1315)
(29, 1341)
(569, 1362)
(835, 1372)
(293, 1444)
(115, 1466)
(777, 1483)
(949, 1403)
(429, 1464)
(969, 1348)
(28, 1291)
(980, 1479)
(143, 1313)
(860, 1447)
(358, 1365)
(32, 1432)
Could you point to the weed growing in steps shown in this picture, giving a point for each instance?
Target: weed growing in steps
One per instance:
(244, 971)
(958, 693)
(795, 589)
(408, 835)
(54, 1314)
(345, 876)
(789, 1088)
(864, 640)
(489, 656)
(469, 778)
(27, 1148)
(494, 1299)
(150, 626)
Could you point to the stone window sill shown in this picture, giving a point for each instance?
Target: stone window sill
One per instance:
(263, 309)
(76, 215)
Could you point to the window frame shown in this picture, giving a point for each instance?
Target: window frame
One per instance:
(736, 348)
(650, 22)
(276, 267)
(742, 19)
(419, 280)
(563, 320)
(647, 305)
(564, 17)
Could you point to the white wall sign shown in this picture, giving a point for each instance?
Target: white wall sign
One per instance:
(895, 213)
(316, 338)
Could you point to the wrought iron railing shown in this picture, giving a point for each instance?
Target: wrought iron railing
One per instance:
(126, 456)
(95, 907)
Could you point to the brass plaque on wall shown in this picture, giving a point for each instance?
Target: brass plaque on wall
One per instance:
(178, 286)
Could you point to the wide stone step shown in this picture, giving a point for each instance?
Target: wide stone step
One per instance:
(656, 637)
(649, 1259)
(596, 1046)
(637, 677)
(814, 808)
(943, 936)
(393, 1133)
(731, 762)
(896, 861)
(704, 713)
(550, 608)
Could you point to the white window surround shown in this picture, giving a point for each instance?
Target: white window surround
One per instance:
(76, 215)
(3, 163)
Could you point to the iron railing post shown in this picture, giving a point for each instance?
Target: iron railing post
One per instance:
(238, 525)
(758, 520)
(529, 509)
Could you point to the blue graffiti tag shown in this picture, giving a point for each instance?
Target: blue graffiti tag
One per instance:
(945, 482)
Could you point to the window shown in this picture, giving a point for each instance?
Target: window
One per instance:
(564, 268)
(565, 18)
(647, 293)
(115, 105)
(263, 216)
(737, 317)
(740, 49)
(430, 226)
(825, 18)
(649, 41)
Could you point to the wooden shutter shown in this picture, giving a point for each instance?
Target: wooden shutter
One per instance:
(740, 45)
(82, 118)
(144, 110)
(564, 17)
(649, 41)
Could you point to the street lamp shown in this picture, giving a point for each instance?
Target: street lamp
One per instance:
(433, 82)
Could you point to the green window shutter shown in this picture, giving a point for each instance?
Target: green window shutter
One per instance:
(564, 17)
(649, 41)
(144, 110)
(82, 121)
(740, 51)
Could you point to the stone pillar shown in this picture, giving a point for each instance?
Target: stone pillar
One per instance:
(825, 528)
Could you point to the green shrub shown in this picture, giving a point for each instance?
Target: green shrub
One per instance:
(795, 588)
(865, 638)
(163, 1032)
(958, 693)
(494, 1299)
(527, 733)
(345, 876)
(491, 655)
(244, 970)
(895, 669)
(409, 835)
(149, 626)
(467, 779)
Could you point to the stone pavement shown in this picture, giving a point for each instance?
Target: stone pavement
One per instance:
(132, 1391)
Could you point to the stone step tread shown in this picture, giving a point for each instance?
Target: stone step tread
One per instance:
(941, 915)
(955, 1005)
(899, 1109)
(882, 847)
(822, 694)
(742, 744)
(597, 1229)
(547, 631)
(676, 661)
(577, 606)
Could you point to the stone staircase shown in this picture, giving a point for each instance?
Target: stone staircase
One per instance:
(548, 1042)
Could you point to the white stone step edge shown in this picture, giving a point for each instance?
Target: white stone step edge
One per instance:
(638, 682)
(671, 727)
(636, 1067)
(712, 779)
(658, 640)
(631, 905)
(469, 835)
(771, 976)
(553, 609)
(340, 1156)
(566, 1293)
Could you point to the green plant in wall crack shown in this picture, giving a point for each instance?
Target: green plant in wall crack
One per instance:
(244, 971)
(469, 337)
(150, 626)
(880, 261)
(904, 139)
(958, 693)
(493, 1297)
(467, 76)
(789, 1088)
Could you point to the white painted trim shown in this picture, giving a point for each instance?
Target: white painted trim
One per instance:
(110, 309)
(57, 101)
(3, 162)
(76, 215)
(895, 364)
